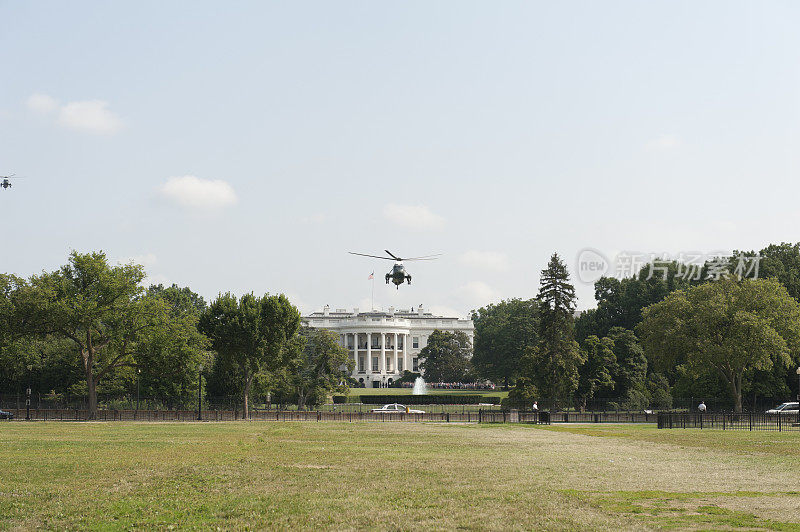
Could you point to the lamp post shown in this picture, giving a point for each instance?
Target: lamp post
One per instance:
(200, 394)
(28, 394)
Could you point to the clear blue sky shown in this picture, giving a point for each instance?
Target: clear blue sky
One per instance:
(493, 132)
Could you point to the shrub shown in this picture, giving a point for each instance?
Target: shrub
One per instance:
(636, 400)
(522, 395)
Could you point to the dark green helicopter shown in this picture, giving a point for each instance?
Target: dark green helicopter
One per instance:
(5, 183)
(398, 275)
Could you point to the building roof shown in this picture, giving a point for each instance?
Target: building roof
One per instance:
(418, 313)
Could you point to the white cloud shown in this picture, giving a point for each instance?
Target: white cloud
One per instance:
(194, 192)
(412, 216)
(91, 116)
(42, 103)
(663, 143)
(477, 293)
(488, 260)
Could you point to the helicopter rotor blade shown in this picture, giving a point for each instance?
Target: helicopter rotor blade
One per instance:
(372, 256)
(392, 255)
(426, 257)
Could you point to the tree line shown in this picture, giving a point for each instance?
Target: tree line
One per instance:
(91, 328)
(651, 337)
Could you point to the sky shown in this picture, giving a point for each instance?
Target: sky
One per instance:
(248, 146)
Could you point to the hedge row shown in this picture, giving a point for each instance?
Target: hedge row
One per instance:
(433, 399)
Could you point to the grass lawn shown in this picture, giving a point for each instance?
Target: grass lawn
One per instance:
(394, 475)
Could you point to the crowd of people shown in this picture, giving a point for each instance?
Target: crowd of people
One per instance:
(455, 385)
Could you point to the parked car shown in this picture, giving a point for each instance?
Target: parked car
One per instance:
(785, 408)
(396, 408)
(6, 415)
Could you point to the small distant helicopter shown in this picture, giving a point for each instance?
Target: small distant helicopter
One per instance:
(398, 275)
(5, 183)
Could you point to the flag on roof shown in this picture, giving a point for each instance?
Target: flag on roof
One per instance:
(371, 276)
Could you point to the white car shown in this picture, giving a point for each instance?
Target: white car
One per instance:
(396, 408)
(785, 408)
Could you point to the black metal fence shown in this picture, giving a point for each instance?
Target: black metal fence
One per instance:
(729, 421)
(603, 417)
(63, 414)
(131, 402)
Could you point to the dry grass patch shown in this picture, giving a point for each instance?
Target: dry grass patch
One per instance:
(380, 475)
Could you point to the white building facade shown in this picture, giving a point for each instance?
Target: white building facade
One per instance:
(385, 344)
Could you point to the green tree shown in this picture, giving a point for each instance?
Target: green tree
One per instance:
(446, 357)
(10, 288)
(46, 364)
(321, 365)
(100, 308)
(595, 373)
(620, 301)
(182, 300)
(782, 262)
(253, 334)
(171, 358)
(630, 371)
(503, 332)
(727, 326)
(659, 391)
(522, 395)
(554, 361)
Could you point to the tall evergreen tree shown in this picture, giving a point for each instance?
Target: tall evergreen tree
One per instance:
(555, 360)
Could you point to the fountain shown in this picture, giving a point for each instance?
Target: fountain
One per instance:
(420, 388)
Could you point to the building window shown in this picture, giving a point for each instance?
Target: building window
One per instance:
(361, 363)
(415, 364)
(399, 364)
(415, 342)
(388, 364)
(374, 363)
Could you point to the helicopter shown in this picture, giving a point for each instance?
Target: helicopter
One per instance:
(5, 183)
(398, 275)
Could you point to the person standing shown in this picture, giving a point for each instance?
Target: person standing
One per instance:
(535, 407)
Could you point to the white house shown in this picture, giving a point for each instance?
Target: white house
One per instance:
(384, 344)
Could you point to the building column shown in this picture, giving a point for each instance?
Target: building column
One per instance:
(369, 353)
(382, 361)
(406, 360)
(396, 366)
(355, 350)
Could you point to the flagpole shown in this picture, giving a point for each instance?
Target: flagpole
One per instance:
(373, 291)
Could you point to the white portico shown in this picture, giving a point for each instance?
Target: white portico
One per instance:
(384, 344)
